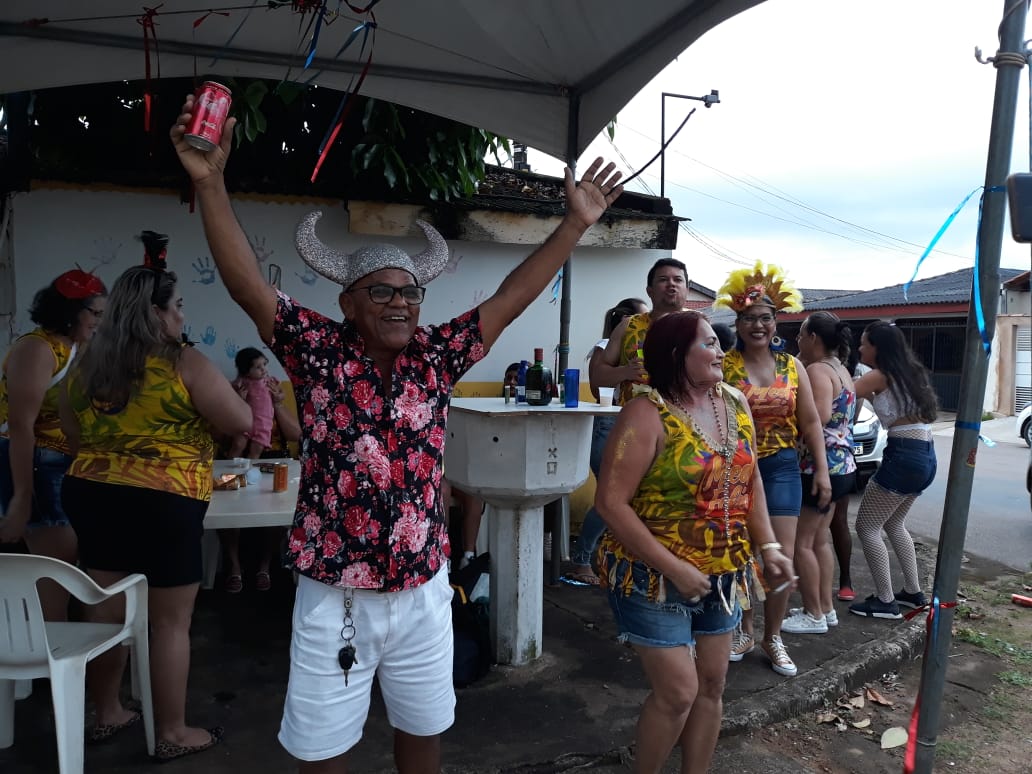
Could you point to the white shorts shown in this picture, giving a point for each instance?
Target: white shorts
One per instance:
(404, 638)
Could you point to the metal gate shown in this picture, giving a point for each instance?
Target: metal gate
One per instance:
(1022, 369)
(939, 344)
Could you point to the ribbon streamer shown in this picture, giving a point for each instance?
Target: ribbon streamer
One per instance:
(556, 286)
(346, 103)
(149, 32)
(229, 41)
(931, 636)
(979, 312)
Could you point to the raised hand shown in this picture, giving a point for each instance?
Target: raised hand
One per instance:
(596, 191)
(202, 166)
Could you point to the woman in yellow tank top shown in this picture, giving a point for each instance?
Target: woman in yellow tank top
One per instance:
(139, 410)
(33, 450)
(681, 495)
(778, 390)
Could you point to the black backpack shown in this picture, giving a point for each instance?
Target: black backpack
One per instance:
(470, 624)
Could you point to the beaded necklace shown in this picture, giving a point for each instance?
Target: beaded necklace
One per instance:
(725, 448)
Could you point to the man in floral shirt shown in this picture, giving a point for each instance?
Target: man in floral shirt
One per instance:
(368, 539)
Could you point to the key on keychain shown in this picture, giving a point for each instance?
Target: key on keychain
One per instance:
(347, 659)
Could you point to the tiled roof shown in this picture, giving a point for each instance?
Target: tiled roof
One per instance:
(951, 288)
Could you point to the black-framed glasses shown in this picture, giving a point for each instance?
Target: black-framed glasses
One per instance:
(752, 319)
(384, 294)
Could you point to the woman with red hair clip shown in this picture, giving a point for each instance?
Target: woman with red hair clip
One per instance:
(34, 453)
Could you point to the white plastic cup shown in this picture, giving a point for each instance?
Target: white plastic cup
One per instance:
(605, 396)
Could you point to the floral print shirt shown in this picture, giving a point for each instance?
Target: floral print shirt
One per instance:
(368, 514)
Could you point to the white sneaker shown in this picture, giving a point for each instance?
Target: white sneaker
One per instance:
(830, 618)
(804, 623)
(741, 644)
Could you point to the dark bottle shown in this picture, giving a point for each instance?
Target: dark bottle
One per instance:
(539, 381)
(521, 383)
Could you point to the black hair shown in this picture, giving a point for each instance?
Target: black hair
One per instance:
(512, 367)
(53, 312)
(835, 335)
(245, 359)
(725, 335)
(907, 376)
(666, 262)
(615, 316)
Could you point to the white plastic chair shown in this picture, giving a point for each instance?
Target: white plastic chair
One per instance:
(31, 647)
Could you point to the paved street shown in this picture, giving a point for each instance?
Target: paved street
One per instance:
(999, 519)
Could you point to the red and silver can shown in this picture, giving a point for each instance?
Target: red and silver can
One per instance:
(210, 111)
(1019, 599)
(279, 477)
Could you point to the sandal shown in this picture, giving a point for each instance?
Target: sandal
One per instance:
(262, 581)
(103, 733)
(580, 578)
(234, 584)
(165, 751)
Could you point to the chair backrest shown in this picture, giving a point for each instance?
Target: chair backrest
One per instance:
(23, 636)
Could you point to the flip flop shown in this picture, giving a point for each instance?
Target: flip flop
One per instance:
(99, 734)
(165, 751)
(582, 578)
(234, 584)
(262, 581)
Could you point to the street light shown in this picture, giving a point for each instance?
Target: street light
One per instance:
(709, 100)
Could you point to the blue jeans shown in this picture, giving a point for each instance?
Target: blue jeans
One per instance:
(782, 483)
(593, 526)
(48, 470)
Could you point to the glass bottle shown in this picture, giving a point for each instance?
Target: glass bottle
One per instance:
(539, 381)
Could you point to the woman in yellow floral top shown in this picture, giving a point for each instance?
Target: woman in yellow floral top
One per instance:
(682, 498)
(33, 450)
(139, 409)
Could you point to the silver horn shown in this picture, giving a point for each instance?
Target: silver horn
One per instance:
(430, 262)
(319, 257)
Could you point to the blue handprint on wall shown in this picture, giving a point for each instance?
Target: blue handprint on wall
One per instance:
(231, 349)
(205, 271)
(261, 251)
(186, 333)
(209, 335)
(309, 277)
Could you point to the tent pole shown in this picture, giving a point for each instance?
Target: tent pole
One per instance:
(565, 303)
(1009, 60)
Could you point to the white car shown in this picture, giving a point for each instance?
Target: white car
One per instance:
(869, 439)
(1024, 424)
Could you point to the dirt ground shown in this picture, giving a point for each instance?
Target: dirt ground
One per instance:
(986, 716)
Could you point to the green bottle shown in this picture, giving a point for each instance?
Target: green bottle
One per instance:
(539, 381)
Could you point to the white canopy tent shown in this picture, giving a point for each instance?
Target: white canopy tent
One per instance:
(548, 73)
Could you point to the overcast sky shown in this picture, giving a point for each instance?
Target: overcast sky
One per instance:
(834, 117)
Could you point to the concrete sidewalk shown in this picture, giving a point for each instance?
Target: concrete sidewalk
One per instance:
(575, 707)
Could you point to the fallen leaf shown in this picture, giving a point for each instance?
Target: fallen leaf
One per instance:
(877, 698)
(828, 717)
(857, 702)
(862, 723)
(893, 737)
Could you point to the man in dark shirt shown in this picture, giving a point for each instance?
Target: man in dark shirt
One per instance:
(368, 538)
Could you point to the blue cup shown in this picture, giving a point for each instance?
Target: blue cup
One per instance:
(571, 387)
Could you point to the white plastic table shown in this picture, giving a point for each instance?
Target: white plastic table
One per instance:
(251, 506)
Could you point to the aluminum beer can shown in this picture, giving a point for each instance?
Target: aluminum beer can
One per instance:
(279, 477)
(210, 111)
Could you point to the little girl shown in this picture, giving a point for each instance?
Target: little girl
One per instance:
(254, 385)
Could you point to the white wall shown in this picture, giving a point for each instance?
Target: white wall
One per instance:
(56, 229)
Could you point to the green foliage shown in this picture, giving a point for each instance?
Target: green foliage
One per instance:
(423, 155)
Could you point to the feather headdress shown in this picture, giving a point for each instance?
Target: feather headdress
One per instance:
(759, 285)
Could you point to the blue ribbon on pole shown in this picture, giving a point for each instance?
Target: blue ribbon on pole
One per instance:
(979, 312)
(556, 286)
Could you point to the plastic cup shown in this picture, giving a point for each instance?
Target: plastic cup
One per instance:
(605, 396)
(571, 388)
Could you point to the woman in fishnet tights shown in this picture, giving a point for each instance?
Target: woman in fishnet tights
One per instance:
(902, 396)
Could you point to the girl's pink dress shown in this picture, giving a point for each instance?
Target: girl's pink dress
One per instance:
(256, 393)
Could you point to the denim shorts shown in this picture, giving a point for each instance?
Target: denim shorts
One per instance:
(908, 466)
(600, 430)
(675, 622)
(840, 487)
(48, 470)
(782, 482)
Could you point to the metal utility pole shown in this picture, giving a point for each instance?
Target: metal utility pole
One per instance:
(1008, 62)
